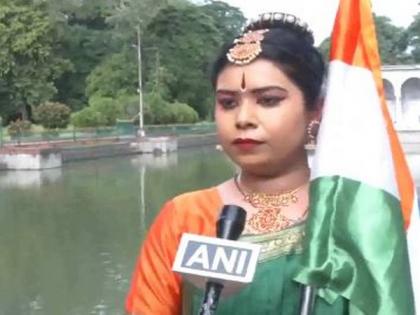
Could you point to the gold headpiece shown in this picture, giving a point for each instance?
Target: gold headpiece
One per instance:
(246, 48)
(278, 19)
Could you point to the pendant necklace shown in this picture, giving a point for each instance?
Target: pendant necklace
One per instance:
(269, 217)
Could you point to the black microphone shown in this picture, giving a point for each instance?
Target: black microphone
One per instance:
(229, 226)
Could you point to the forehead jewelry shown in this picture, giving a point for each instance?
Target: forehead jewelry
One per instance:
(246, 48)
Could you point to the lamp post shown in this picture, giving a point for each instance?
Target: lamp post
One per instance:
(140, 132)
(1, 132)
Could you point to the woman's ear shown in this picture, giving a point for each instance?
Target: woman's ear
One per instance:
(314, 120)
(316, 113)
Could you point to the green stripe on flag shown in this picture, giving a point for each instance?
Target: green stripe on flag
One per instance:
(356, 247)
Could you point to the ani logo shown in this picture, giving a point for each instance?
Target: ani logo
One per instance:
(216, 258)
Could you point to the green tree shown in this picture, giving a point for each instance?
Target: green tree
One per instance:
(52, 115)
(129, 107)
(392, 42)
(161, 111)
(87, 117)
(413, 38)
(127, 16)
(187, 40)
(228, 20)
(108, 107)
(117, 74)
(324, 48)
(85, 38)
(29, 64)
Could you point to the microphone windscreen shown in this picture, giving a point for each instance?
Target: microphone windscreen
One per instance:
(231, 222)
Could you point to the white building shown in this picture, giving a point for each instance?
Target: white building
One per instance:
(402, 91)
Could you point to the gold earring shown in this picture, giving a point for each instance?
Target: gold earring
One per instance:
(312, 131)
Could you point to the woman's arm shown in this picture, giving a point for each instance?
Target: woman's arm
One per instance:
(155, 288)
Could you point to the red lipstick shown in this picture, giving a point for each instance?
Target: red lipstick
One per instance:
(246, 143)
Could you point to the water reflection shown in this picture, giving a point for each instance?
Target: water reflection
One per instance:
(142, 198)
(30, 178)
(155, 161)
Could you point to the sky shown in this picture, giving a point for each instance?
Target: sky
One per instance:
(319, 14)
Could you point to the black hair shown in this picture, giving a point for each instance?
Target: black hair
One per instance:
(290, 46)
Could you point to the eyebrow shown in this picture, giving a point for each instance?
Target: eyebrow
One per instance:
(253, 91)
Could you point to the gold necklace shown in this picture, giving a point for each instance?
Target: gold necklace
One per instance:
(269, 217)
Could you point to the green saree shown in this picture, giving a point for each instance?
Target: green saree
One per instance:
(273, 290)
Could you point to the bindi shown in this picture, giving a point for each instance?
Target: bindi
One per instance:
(243, 83)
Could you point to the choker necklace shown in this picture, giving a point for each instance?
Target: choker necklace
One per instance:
(269, 217)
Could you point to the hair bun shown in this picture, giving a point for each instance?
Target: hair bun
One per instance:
(272, 20)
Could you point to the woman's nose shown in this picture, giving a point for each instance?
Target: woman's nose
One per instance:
(246, 116)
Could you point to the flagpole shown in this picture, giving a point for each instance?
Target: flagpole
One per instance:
(307, 301)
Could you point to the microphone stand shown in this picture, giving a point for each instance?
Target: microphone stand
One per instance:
(211, 298)
(307, 301)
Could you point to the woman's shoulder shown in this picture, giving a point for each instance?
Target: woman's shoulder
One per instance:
(197, 210)
(204, 197)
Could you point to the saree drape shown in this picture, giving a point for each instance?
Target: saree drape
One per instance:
(156, 290)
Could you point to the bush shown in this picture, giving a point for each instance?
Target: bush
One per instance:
(183, 113)
(18, 127)
(52, 115)
(157, 109)
(107, 107)
(128, 105)
(88, 117)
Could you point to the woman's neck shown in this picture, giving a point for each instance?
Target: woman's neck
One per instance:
(274, 183)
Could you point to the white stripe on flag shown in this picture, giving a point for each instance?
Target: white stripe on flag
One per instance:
(353, 141)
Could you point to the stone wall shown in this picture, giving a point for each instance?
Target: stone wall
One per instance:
(197, 140)
(95, 151)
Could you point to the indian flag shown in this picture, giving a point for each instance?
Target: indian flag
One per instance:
(363, 200)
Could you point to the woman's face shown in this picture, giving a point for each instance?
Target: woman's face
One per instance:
(261, 118)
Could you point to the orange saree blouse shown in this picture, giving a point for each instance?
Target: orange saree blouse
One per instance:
(155, 288)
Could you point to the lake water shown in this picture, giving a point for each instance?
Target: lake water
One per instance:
(69, 237)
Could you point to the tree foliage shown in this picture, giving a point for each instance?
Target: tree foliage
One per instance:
(29, 63)
(107, 107)
(116, 74)
(85, 38)
(73, 51)
(413, 38)
(87, 117)
(228, 20)
(52, 115)
(392, 41)
(19, 127)
(396, 45)
(83, 53)
(324, 48)
(161, 111)
(186, 39)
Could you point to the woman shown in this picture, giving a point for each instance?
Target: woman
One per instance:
(268, 85)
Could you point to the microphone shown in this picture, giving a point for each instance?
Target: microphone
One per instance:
(221, 263)
(307, 301)
(229, 226)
